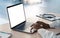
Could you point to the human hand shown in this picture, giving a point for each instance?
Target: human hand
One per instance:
(38, 25)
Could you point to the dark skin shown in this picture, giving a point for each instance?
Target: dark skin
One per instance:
(40, 24)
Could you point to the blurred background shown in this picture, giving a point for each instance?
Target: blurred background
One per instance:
(32, 7)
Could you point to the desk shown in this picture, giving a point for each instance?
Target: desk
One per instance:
(16, 34)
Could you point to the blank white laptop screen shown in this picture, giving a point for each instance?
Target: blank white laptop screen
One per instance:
(16, 15)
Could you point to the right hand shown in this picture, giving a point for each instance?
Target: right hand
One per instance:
(39, 25)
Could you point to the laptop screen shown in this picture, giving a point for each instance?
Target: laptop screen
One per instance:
(16, 14)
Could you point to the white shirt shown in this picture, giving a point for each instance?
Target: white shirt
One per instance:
(55, 24)
(47, 34)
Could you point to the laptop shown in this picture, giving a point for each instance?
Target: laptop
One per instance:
(17, 18)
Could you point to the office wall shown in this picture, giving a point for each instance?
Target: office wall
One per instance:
(46, 6)
(31, 10)
(3, 11)
(35, 8)
(4, 4)
(53, 6)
